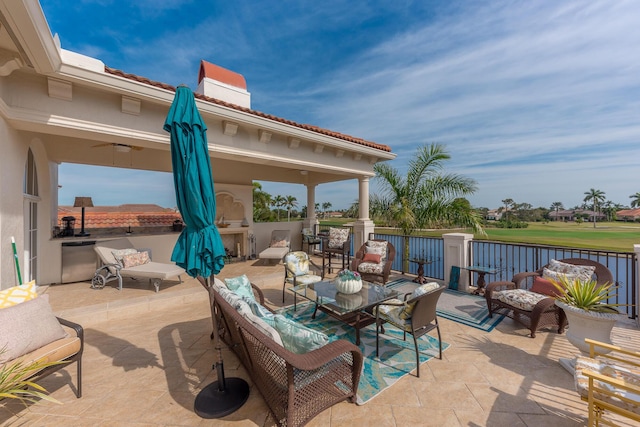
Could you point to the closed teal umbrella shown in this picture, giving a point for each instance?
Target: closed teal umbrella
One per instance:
(199, 249)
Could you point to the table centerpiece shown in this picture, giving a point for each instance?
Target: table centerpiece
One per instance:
(348, 282)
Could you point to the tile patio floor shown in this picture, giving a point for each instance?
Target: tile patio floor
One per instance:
(147, 356)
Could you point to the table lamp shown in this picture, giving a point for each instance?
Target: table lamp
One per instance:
(83, 202)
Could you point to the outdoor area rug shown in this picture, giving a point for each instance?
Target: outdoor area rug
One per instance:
(397, 357)
(461, 307)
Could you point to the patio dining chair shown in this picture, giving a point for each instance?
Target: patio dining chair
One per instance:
(336, 242)
(298, 270)
(416, 315)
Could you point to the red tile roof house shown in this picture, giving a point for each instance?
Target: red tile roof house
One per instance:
(59, 106)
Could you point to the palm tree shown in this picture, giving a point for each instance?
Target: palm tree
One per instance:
(325, 207)
(278, 202)
(597, 198)
(261, 203)
(556, 206)
(507, 203)
(635, 200)
(290, 202)
(426, 196)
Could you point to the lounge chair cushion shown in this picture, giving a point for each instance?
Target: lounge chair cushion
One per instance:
(520, 298)
(153, 270)
(407, 311)
(28, 326)
(629, 374)
(17, 294)
(274, 253)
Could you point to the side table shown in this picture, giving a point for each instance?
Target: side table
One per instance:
(421, 263)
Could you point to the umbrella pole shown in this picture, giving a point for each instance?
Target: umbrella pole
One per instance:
(224, 396)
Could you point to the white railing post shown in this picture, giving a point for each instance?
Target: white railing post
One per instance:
(457, 254)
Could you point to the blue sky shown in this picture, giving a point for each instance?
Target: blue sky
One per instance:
(537, 101)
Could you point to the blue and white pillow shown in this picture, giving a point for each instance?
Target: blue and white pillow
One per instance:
(240, 285)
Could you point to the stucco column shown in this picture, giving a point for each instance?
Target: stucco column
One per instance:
(457, 253)
(636, 249)
(310, 221)
(363, 201)
(363, 226)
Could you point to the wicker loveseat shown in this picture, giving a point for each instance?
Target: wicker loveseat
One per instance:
(544, 312)
(295, 387)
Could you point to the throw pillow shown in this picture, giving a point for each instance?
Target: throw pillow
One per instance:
(338, 237)
(297, 264)
(134, 260)
(554, 275)
(28, 326)
(374, 258)
(407, 311)
(582, 272)
(17, 294)
(118, 254)
(379, 248)
(545, 287)
(298, 338)
(240, 286)
(279, 244)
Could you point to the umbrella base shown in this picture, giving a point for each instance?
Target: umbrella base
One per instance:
(211, 402)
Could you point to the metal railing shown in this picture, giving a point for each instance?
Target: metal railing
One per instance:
(511, 258)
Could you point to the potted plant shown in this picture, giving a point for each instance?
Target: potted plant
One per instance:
(15, 384)
(585, 303)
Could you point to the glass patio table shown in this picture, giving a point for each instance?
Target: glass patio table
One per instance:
(355, 309)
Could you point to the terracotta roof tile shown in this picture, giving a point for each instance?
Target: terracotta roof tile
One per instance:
(312, 128)
(121, 216)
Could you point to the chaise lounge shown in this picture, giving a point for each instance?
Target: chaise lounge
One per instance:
(120, 259)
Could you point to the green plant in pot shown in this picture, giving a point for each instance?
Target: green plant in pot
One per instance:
(589, 314)
(15, 384)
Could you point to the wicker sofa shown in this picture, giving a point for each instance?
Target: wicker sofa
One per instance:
(295, 387)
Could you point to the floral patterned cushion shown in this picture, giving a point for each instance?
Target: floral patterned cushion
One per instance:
(520, 298)
(378, 248)
(582, 272)
(118, 254)
(297, 263)
(371, 267)
(407, 311)
(135, 259)
(629, 374)
(338, 237)
(391, 313)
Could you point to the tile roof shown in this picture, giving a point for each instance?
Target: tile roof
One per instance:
(121, 216)
(216, 101)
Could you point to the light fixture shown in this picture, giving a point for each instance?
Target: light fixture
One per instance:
(122, 148)
(304, 172)
(83, 202)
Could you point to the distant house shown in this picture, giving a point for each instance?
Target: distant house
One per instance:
(493, 215)
(628, 215)
(573, 214)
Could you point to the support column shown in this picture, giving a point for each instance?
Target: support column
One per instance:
(636, 249)
(457, 253)
(363, 226)
(311, 220)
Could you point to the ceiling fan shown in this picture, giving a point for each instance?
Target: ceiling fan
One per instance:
(122, 148)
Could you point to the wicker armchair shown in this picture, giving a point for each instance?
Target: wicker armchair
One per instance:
(544, 313)
(377, 272)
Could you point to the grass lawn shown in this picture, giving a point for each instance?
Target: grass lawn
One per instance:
(614, 236)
